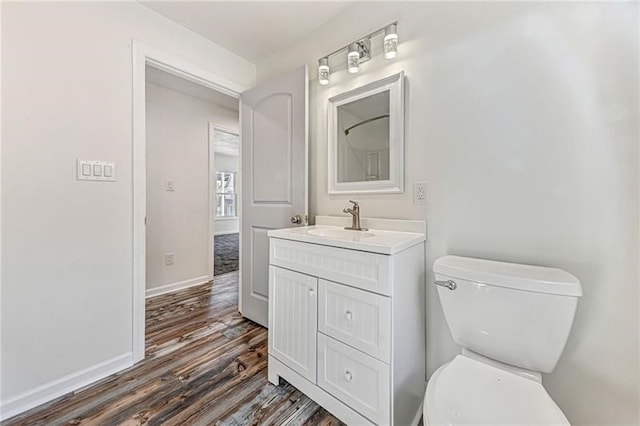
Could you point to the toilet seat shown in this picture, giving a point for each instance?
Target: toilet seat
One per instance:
(466, 391)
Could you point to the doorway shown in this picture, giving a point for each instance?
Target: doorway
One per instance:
(274, 130)
(225, 160)
(146, 58)
(191, 175)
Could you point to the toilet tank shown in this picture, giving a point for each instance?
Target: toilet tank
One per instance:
(516, 314)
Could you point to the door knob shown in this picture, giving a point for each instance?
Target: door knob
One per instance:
(296, 219)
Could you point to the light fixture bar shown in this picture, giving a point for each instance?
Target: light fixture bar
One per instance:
(360, 51)
(368, 36)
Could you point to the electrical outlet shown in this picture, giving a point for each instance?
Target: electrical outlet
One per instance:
(169, 258)
(419, 193)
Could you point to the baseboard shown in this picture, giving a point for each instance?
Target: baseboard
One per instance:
(156, 291)
(59, 387)
(226, 232)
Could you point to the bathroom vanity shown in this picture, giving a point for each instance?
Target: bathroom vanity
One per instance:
(346, 317)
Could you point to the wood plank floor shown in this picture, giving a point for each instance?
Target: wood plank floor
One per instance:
(205, 365)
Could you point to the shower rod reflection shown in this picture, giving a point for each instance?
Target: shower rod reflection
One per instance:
(346, 132)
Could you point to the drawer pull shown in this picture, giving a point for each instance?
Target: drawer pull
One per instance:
(348, 376)
(348, 315)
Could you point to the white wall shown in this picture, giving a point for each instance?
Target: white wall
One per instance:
(523, 120)
(227, 163)
(67, 245)
(178, 150)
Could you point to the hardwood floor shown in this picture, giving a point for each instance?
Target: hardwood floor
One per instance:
(205, 365)
(226, 253)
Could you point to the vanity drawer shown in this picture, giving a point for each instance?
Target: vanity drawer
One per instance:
(358, 380)
(369, 271)
(355, 317)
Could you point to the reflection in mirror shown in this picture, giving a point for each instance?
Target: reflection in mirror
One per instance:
(366, 138)
(363, 139)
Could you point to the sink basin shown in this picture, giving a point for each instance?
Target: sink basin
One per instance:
(379, 240)
(341, 234)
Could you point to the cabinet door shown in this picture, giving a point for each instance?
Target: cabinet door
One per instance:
(293, 320)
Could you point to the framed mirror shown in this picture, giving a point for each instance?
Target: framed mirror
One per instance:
(366, 138)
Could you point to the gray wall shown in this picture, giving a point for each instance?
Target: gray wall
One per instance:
(523, 120)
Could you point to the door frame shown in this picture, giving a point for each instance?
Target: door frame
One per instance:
(143, 55)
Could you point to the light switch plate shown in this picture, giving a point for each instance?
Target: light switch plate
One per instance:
(95, 170)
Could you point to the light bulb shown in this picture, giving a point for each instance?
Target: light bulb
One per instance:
(353, 58)
(391, 41)
(323, 71)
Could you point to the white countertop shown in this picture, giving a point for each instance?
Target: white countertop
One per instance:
(374, 240)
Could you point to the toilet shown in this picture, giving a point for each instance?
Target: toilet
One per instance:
(512, 322)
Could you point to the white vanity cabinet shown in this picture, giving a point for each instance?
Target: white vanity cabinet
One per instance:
(346, 326)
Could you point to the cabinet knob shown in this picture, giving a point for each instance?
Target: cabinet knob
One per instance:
(348, 376)
(348, 315)
(311, 292)
(297, 219)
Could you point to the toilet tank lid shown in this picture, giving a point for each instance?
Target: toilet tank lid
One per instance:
(537, 279)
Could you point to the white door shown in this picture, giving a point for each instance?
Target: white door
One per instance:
(293, 320)
(273, 122)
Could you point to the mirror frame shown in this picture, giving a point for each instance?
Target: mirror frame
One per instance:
(395, 184)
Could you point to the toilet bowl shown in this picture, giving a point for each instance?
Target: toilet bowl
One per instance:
(469, 392)
(512, 322)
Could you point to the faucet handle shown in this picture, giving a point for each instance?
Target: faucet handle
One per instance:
(355, 203)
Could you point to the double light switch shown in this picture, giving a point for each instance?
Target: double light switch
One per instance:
(95, 170)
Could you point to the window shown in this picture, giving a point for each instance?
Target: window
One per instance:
(226, 194)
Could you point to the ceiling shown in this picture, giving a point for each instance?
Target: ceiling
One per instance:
(253, 30)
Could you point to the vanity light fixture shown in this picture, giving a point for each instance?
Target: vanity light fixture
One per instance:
(323, 71)
(359, 52)
(391, 41)
(353, 58)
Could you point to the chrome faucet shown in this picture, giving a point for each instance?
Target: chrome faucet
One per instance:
(355, 213)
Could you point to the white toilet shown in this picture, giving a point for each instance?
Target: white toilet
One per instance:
(512, 322)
